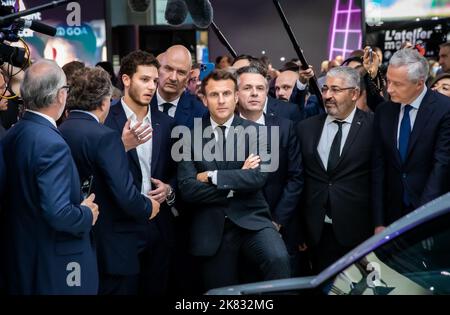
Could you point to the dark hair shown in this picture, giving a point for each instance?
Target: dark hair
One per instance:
(89, 87)
(134, 59)
(196, 65)
(246, 57)
(290, 66)
(445, 45)
(250, 69)
(70, 68)
(218, 75)
(108, 67)
(438, 78)
(353, 58)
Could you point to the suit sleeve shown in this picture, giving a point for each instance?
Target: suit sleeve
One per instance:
(437, 180)
(378, 174)
(251, 180)
(113, 163)
(288, 202)
(192, 190)
(55, 186)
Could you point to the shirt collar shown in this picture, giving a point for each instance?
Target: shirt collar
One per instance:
(130, 114)
(416, 103)
(227, 124)
(349, 119)
(265, 106)
(161, 101)
(261, 120)
(86, 112)
(50, 119)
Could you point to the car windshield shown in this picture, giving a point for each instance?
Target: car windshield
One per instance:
(417, 262)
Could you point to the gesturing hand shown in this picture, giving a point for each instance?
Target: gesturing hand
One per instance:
(135, 136)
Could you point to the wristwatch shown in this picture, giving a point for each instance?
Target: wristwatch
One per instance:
(210, 176)
(170, 195)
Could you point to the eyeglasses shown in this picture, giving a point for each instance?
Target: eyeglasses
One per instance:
(68, 87)
(335, 90)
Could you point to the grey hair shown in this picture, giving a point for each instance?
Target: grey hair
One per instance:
(417, 65)
(250, 69)
(351, 76)
(41, 84)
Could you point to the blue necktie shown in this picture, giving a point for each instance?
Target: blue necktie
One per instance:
(405, 132)
(403, 140)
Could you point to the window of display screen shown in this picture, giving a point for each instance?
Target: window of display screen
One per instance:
(79, 36)
(400, 10)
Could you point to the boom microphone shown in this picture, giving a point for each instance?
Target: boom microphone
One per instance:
(176, 12)
(201, 12)
(139, 5)
(37, 27)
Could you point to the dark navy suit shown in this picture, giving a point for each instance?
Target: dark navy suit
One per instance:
(283, 109)
(424, 174)
(188, 108)
(99, 151)
(47, 233)
(284, 186)
(157, 239)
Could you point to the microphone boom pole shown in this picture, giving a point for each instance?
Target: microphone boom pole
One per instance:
(11, 17)
(305, 64)
(223, 40)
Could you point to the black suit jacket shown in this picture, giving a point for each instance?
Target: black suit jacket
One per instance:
(284, 186)
(425, 173)
(99, 151)
(347, 186)
(209, 203)
(283, 109)
(162, 166)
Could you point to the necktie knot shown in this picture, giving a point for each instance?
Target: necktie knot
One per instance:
(166, 107)
(222, 129)
(407, 109)
(335, 150)
(339, 123)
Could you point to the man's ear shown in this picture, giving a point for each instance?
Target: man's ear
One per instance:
(60, 96)
(126, 80)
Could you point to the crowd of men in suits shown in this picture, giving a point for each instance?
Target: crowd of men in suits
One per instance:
(114, 201)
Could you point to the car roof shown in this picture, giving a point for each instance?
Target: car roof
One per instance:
(436, 208)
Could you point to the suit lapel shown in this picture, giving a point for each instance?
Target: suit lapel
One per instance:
(205, 140)
(121, 120)
(271, 106)
(394, 132)
(183, 111)
(354, 129)
(423, 115)
(156, 141)
(318, 133)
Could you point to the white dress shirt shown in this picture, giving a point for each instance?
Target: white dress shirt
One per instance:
(261, 120)
(329, 131)
(144, 151)
(161, 101)
(227, 125)
(412, 113)
(265, 105)
(50, 119)
(214, 126)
